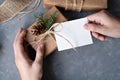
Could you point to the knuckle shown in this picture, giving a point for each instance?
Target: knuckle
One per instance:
(103, 11)
(20, 36)
(93, 28)
(37, 61)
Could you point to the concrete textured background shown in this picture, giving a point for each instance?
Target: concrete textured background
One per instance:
(100, 61)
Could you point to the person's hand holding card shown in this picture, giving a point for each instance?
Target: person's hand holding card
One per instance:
(72, 34)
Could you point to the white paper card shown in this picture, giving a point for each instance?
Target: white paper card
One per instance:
(72, 32)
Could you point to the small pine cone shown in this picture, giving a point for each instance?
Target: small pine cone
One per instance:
(37, 30)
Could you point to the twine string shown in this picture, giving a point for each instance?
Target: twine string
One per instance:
(37, 3)
(74, 6)
(81, 5)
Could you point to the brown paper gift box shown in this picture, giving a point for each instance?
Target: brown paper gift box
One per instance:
(50, 43)
(87, 4)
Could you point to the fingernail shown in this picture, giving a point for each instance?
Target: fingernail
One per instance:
(24, 30)
(41, 46)
(20, 30)
(86, 26)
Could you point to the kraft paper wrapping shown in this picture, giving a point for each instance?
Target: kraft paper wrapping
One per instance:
(86, 5)
(10, 8)
(50, 43)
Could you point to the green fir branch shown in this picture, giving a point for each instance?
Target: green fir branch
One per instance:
(46, 20)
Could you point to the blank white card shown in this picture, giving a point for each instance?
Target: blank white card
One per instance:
(72, 33)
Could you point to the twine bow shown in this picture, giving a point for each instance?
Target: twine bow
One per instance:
(50, 32)
(74, 5)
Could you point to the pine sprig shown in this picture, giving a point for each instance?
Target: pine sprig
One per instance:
(46, 20)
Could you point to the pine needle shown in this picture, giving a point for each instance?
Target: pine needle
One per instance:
(46, 20)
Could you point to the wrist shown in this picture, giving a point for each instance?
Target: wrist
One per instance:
(30, 78)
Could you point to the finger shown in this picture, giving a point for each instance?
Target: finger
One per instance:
(19, 40)
(21, 37)
(18, 33)
(18, 44)
(93, 17)
(39, 54)
(97, 16)
(95, 28)
(20, 30)
(99, 36)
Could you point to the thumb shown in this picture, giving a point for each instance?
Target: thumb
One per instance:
(39, 54)
(95, 28)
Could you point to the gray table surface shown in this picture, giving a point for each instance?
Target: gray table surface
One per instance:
(99, 61)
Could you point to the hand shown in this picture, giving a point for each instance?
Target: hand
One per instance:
(103, 24)
(28, 69)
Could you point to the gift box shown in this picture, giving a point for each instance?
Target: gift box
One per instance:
(49, 42)
(77, 5)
